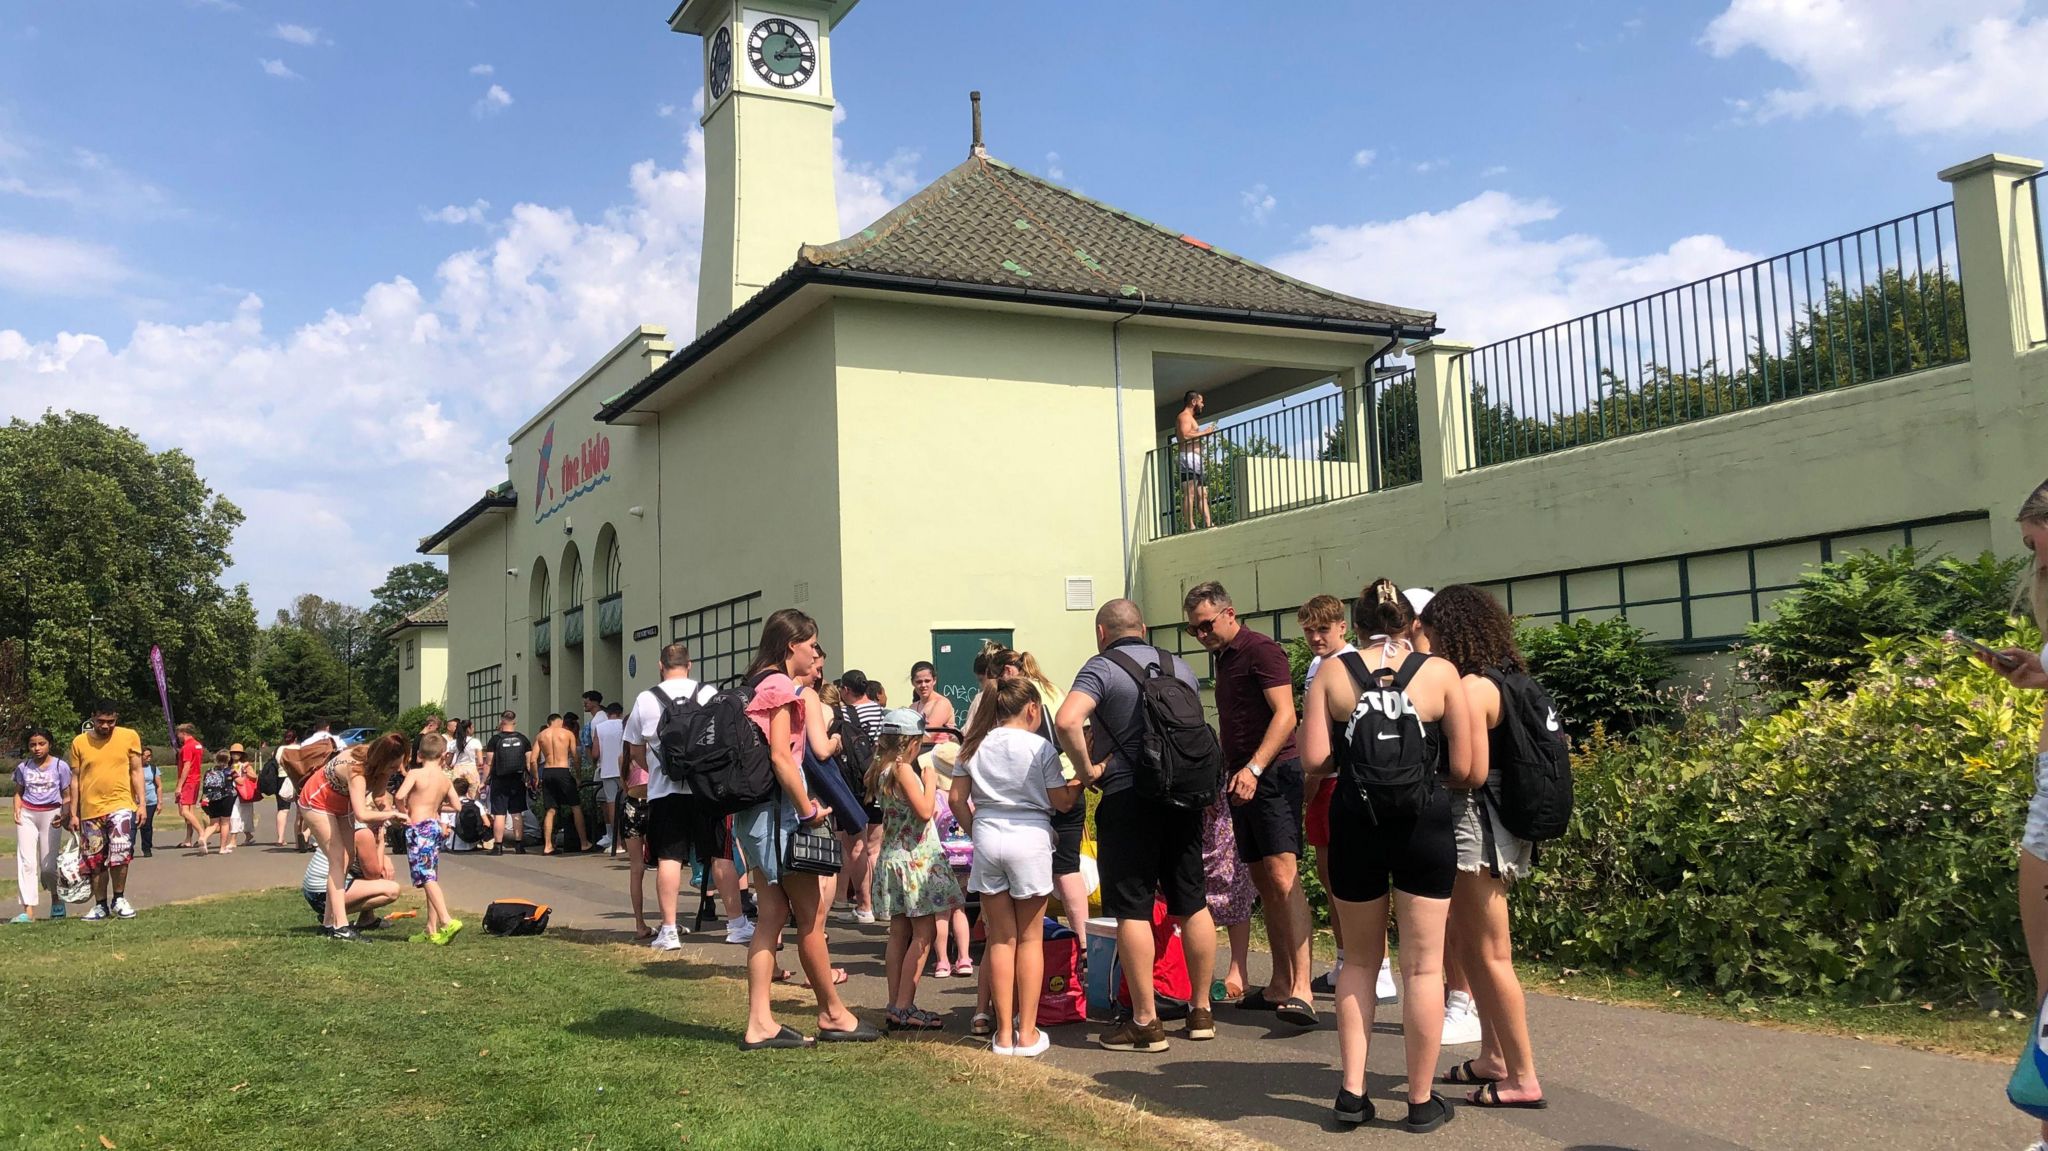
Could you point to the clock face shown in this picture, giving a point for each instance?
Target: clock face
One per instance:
(781, 53)
(719, 72)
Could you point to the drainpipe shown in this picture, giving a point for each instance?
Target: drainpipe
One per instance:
(1123, 486)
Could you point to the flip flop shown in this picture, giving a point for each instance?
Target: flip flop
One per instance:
(838, 977)
(1463, 1076)
(861, 1033)
(1298, 1012)
(787, 1037)
(1488, 1095)
(1255, 1000)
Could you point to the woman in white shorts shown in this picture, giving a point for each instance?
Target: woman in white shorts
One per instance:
(2025, 669)
(1013, 776)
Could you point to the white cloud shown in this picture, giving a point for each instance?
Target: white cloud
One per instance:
(868, 191)
(664, 110)
(1363, 158)
(277, 68)
(1053, 170)
(1427, 166)
(89, 182)
(1258, 203)
(367, 427)
(481, 70)
(494, 100)
(1487, 270)
(298, 34)
(1495, 170)
(57, 265)
(457, 214)
(1960, 65)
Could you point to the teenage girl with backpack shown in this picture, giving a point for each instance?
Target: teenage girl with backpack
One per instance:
(1467, 627)
(913, 885)
(1013, 775)
(1386, 841)
(217, 793)
(787, 655)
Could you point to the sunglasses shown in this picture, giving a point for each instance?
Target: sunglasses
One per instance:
(1200, 627)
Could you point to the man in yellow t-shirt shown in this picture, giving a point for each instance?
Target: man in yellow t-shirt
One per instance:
(106, 765)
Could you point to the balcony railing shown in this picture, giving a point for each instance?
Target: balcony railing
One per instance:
(541, 636)
(611, 616)
(1875, 303)
(572, 627)
(1397, 431)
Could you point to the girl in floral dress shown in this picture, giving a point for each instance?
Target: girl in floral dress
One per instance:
(1231, 894)
(913, 884)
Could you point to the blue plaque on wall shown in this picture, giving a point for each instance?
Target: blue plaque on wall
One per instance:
(632, 666)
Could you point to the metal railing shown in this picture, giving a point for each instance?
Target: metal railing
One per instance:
(2031, 189)
(1874, 303)
(611, 616)
(1298, 456)
(572, 627)
(1396, 430)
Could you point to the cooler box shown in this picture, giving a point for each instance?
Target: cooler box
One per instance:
(1102, 969)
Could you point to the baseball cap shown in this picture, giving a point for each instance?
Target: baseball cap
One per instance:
(1418, 598)
(901, 721)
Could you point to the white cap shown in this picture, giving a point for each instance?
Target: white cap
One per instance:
(1418, 598)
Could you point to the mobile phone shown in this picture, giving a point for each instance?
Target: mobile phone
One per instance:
(1984, 649)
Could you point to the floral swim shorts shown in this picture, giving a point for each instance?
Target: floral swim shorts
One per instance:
(423, 851)
(106, 841)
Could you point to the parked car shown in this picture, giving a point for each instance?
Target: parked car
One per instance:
(356, 735)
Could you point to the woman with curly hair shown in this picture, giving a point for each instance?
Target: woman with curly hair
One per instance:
(1466, 626)
(335, 797)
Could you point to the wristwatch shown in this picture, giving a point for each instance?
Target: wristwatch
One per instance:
(1255, 769)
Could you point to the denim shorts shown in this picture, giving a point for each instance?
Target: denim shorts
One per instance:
(760, 833)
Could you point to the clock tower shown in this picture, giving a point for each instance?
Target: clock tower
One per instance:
(767, 140)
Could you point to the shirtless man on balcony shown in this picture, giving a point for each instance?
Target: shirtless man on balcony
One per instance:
(1194, 482)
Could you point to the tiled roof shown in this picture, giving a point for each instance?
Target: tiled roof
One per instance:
(434, 613)
(986, 223)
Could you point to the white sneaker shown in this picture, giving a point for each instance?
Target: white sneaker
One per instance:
(666, 939)
(1385, 989)
(739, 929)
(863, 915)
(1461, 1020)
(123, 908)
(605, 843)
(98, 912)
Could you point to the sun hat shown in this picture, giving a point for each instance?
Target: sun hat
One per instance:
(234, 749)
(901, 721)
(1418, 598)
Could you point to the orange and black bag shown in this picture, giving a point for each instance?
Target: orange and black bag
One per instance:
(516, 917)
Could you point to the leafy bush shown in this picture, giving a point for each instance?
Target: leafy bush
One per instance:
(1819, 632)
(1602, 675)
(1858, 845)
(412, 719)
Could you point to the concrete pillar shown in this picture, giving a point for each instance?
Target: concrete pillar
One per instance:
(1443, 399)
(2000, 254)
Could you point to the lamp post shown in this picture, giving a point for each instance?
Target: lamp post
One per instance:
(92, 660)
(348, 691)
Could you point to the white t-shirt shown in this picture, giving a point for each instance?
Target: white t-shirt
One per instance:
(644, 721)
(608, 736)
(1310, 676)
(1011, 771)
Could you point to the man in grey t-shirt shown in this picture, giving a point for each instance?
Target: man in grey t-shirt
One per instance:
(1143, 847)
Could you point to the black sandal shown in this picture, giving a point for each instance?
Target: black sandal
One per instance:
(787, 1037)
(1297, 1012)
(1488, 1095)
(1463, 1076)
(1426, 1117)
(1255, 1000)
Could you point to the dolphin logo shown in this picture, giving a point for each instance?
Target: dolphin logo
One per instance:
(542, 487)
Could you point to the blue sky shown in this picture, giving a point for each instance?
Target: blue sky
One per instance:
(250, 230)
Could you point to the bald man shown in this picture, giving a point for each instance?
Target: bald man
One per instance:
(1143, 847)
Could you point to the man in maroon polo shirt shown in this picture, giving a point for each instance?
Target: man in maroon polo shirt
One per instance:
(1255, 715)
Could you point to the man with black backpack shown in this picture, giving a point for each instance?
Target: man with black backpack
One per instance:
(508, 762)
(1157, 764)
(674, 827)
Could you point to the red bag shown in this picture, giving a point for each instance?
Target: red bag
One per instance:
(1062, 1000)
(247, 786)
(1172, 990)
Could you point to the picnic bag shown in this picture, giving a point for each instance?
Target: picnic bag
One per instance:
(516, 917)
(1386, 757)
(1177, 761)
(713, 748)
(1534, 799)
(1063, 999)
(1172, 989)
(300, 762)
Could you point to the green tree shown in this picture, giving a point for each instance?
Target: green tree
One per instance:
(306, 676)
(406, 589)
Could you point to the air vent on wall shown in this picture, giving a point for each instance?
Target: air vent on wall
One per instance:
(1080, 593)
(803, 592)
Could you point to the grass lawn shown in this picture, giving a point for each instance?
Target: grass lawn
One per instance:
(229, 1023)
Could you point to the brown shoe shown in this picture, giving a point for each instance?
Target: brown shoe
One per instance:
(1201, 1024)
(1134, 1037)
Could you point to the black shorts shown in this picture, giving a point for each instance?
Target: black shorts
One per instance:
(1419, 855)
(676, 826)
(220, 808)
(283, 804)
(1146, 848)
(1067, 829)
(508, 795)
(558, 789)
(1270, 824)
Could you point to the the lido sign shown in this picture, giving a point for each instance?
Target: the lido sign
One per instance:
(577, 473)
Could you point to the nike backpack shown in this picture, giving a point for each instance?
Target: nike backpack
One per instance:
(1387, 759)
(713, 748)
(1178, 761)
(1535, 764)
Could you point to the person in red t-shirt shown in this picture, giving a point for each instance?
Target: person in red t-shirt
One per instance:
(191, 765)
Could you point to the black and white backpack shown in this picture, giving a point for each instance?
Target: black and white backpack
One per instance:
(216, 784)
(1533, 762)
(713, 748)
(1388, 758)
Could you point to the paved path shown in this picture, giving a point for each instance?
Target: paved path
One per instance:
(1619, 1079)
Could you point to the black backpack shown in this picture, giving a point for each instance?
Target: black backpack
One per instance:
(267, 780)
(1387, 758)
(715, 750)
(1178, 761)
(470, 826)
(1534, 768)
(516, 917)
(856, 751)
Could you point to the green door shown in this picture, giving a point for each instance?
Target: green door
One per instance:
(953, 655)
